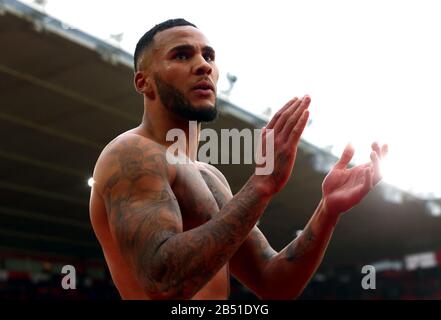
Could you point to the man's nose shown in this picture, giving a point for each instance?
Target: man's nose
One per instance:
(202, 67)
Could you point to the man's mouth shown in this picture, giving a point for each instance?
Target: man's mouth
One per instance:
(204, 87)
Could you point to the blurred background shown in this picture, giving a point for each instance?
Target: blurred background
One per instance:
(372, 70)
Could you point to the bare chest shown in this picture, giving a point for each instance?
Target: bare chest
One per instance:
(200, 194)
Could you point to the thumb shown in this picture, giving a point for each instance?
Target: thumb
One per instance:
(346, 157)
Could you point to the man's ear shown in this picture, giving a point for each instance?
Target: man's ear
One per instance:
(144, 84)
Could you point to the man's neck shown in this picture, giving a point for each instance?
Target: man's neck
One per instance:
(157, 123)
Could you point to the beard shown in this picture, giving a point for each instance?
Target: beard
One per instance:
(176, 102)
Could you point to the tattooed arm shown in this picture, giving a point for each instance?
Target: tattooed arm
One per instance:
(284, 275)
(146, 222)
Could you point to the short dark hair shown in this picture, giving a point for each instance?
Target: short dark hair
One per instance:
(146, 40)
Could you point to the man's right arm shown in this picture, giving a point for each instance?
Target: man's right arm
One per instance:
(146, 222)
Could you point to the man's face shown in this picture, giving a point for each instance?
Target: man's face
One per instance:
(185, 73)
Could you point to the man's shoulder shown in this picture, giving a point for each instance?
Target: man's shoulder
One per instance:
(132, 139)
(130, 143)
(128, 151)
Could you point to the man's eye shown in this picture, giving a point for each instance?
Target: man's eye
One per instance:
(181, 56)
(209, 57)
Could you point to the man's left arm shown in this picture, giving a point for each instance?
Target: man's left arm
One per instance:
(284, 275)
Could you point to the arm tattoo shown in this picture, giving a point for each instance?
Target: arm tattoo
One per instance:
(261, 245)
(300, 246)
(148, 224)
(140, 203)
(205, 249)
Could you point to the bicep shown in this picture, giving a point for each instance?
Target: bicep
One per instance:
(142, 220)
(248, 263)
(143, 211)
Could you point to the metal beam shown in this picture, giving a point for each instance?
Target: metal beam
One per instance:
(34, 236)
(41, 193)
(41, 164)
(66, 93)
(43, 217)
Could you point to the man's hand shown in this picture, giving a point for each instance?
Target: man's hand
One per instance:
(345, 187)
(286, 127)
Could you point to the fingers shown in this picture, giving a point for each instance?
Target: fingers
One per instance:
(287, 114)
(291, 112)
(297, 131)
(346, 157)
(376, 167)
(280, 112)
(384, 150)
(376, 148)
(380, 152)
(376, 156)
(293, 120)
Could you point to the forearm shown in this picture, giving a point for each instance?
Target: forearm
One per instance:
(189, 259)
(288, 272)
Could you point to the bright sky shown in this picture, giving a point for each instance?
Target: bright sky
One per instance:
(372, 68)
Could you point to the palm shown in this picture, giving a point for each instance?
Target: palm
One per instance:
(344, 187)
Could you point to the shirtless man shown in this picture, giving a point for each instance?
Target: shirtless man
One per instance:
(175, 231)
